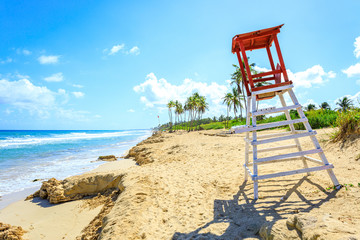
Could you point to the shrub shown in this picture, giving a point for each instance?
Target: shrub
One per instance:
(348, 124)
(319, 119)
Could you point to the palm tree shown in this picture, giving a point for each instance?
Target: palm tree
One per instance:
(237, 79)
(325, 106)
(202, 106)
(170, 105)
(345, 104)
(178, 111)
(310, 107)
(191, 105)
(235, 101)
(227, 99)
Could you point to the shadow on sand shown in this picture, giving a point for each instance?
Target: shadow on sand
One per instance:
(244, 216)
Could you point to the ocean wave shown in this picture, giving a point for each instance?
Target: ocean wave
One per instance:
(15, 142)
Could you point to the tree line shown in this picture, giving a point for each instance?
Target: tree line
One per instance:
(194, 107)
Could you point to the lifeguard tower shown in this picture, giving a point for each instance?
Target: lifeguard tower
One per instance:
(277, 84)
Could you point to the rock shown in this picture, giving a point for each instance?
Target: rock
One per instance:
(141, 155)
(8, 232)
(107, 158)
(308, 227)
(77, 187)
(277, 231)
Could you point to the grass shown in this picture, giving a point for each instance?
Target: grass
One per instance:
(348, 124)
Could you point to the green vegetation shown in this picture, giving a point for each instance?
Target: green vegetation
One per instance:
(348, 123)
(318, 119)
(189, 116)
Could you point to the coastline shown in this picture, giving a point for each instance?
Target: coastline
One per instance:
(191, 185)
(8, 199)
(42, 219)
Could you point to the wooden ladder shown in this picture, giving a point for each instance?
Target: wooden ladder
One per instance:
(256, 140)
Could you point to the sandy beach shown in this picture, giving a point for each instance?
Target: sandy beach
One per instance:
(191, 186)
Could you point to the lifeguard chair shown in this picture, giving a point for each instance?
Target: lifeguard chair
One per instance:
(278, 83)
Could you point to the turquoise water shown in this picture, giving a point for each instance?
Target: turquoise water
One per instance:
(27, 155)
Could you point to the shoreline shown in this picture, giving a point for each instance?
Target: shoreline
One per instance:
(10, 198)
(37, 216)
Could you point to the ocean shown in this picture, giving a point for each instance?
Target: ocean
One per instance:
(42, 154)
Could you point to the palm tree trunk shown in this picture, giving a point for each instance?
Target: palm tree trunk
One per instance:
(227, 119)
(244, 96)
(240, 108)
(235, 111)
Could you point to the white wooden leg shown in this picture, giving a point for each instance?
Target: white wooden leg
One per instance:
(247, 137)
(292, 129)
(255, 167)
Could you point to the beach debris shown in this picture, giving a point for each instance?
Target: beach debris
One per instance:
(307, 226)
(8, 232)
(107, 158)
(77, 187)
(37, 179)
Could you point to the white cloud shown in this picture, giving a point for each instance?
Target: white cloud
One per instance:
(61, 91)
(26, 52)
(51, 59)
(23, 51)
(355, 98)
(77, 85)
(24, 95)
(353, 70)
(8, 111)
(357, 47)
(75, 115)
(158, 92)
(116, 48)
(56, 77)
(131, 110)
(135, 50)
(260, 69)
(8, 60)
(310, 77)
(78, 94)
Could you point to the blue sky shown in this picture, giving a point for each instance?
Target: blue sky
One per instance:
(115, 64)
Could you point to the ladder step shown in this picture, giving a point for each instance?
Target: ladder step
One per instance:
(288, 155)
(275, 148)
(278, 134)
(267, 125)
(291, 136)
(281, 174)
(281, 88)
(275, 110)
(314, 160)
(278, 160)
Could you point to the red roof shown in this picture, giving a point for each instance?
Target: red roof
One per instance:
(255, 40)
